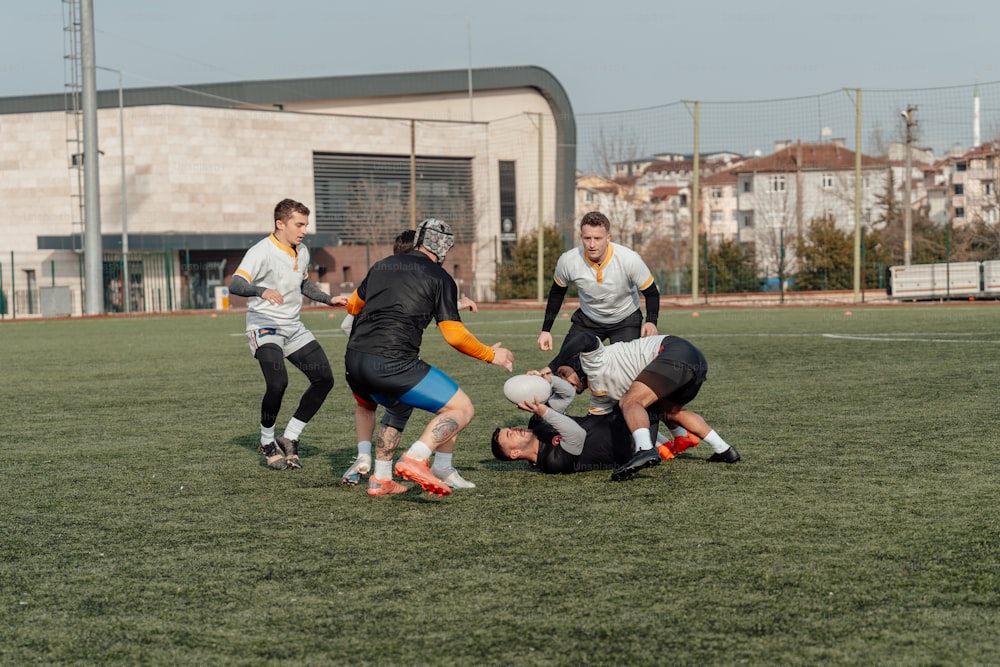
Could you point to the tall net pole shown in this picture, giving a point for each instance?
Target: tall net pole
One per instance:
(695, 186)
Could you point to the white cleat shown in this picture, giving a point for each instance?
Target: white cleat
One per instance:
(451, 477)
(362, 466)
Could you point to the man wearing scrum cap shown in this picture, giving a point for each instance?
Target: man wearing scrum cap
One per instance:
(395, 302)
(390, 430)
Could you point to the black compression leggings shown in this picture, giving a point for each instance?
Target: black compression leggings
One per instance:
(312, 361)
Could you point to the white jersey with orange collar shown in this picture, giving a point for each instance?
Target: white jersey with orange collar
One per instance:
(609, 291)
(611, 369)
(271, 264)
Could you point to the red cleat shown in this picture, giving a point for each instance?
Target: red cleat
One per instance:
(384, 487)
(679, 444)
(420, 472)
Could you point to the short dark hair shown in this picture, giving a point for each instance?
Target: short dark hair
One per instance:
(497, 449)
(595, 219)
(404, 242)
(285, 208)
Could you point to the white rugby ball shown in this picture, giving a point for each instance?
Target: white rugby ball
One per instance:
(521, 388)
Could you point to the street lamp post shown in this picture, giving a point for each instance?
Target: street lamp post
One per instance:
(126, 279)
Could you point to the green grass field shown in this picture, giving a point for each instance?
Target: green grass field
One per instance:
(861, 527)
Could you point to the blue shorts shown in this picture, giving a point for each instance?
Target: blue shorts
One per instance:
(391, 382)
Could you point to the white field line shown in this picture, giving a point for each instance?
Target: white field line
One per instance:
(909, 338)
(902, 337)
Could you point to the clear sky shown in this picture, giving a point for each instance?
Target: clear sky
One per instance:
(609, 56)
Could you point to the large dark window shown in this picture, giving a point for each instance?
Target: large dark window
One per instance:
(366, 198)
(508, 208)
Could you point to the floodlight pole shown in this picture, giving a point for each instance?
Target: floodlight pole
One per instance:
(93, 259)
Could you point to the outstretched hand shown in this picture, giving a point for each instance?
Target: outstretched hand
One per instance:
(339, 300)
(502, 357)
(545, 341)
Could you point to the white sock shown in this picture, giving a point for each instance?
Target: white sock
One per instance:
(716, 442)
(364, 448)
(419, 451)
(383, 469)
(294, 428)
(678, 431)
(442, 461)
(641, 438)
(661, 439)
(267, 434)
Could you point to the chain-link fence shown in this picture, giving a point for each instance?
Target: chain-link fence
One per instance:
(766, 174)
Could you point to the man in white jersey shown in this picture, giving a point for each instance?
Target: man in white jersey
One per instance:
(274, 276)
(608, 277)
(664, 373)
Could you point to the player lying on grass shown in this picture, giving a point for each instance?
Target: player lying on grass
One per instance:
(557, 443)
(658, 374)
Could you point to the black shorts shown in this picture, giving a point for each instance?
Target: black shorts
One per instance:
(372, 376)
(677, 372)
(627, 329)
(393, 382)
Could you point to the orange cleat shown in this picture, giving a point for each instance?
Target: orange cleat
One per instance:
(420, 472)
(665, 452)
(679, 444)
(384, 487)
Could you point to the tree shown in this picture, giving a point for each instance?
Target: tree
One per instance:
(976, 241)
(629, 207)
(928, 239)
(876, 258)
(732, 268)
(825, 255)
(518, 277)
(669, 258)
(774, 205)
(376, 210)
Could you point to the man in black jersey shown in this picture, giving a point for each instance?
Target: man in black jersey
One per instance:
(393, 305)
(556, 443)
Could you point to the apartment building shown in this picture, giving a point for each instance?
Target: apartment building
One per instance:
(965, 187)
(779, 194)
